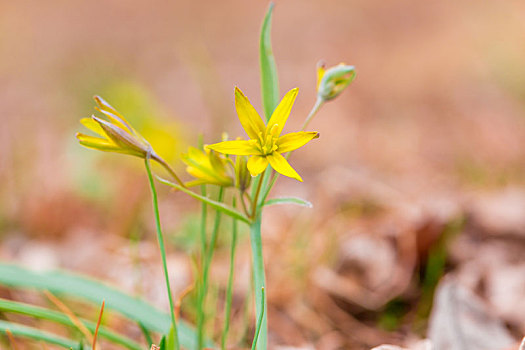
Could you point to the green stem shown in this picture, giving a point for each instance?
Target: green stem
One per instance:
(201, 292)
(162, 249)
(206, 267)
(318, 103)
(259, 280)
(259, 322)
(168, 169)
(256, 196)
(229, 291)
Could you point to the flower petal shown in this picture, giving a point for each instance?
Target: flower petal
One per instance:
(294, 140)
(250, 119)
(112, 114)
(281, 113)
(257, 164)
(97, 143)
(92, 125)
(124, 139)
(321, 69)
(281, 165)
(237, 147)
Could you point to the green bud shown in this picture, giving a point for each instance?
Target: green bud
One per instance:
(242, 175)
(331, 82)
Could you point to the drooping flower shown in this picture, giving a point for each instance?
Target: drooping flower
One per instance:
(117, 135)
(208, 167)
(266, 144)
(332, 81)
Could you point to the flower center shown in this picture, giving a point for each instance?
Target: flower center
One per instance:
(268, 142)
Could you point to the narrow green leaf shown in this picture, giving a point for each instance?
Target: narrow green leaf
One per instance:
(162, 344)
(19, 330)
(60, 282)
(289, 200)
(58, 317)
(269, 78)
(214, 204)
(147, 334)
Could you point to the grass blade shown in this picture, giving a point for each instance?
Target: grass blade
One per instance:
(289, 200)
(58, 317)
(60, 282)
(269, 78)
(19, 330)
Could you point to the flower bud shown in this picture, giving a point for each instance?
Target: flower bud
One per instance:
(332, 81)
(208, 167)
(242, 175)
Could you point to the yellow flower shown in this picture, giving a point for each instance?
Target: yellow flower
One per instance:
(115, 135)
(266, 144)
(332, 81)
(207, 167)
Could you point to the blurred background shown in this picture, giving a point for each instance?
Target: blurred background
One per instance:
(418, 176)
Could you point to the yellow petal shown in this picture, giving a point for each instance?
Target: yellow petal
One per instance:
(93, 126)
(97, 143)
(201, 173)
(248, 116)
(196, 154)
(281, 165)
(281, 113)
(257, 164)
(321, 69)
(294, 140)
(237, 147)
(112, 114)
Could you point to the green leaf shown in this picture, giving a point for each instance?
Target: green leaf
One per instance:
(214, 204)
(147, 334)
(58, 317)
(289, 200)
(162, 344)
(269, 78)
(60, 282)
(19, 330)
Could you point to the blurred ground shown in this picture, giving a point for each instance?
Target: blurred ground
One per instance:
(418, 172)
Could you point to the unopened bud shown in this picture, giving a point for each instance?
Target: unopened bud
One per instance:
(332, 81)
(242, 174)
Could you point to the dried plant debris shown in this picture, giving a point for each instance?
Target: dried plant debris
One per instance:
(424, 344)
(461, 321)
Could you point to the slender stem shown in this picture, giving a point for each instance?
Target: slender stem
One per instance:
(318, 103)
(206, 267)
(259, 280)
(257, 192)
(244, 207)
(259, 322)
(168, 169)
(201, 292)
(160, 239)
(229, 291)
(216, 224)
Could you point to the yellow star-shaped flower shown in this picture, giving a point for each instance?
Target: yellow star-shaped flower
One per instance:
(266, 144)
